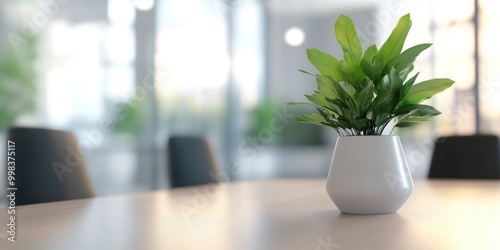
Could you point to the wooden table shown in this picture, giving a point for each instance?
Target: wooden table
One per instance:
(278, 214)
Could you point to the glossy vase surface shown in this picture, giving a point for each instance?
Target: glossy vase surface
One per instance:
(369, 175)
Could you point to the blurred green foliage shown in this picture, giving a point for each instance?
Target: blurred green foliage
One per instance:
(264, 117)
(17, 81)
(128, 118)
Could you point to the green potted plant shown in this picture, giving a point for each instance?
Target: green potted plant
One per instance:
(362, 96)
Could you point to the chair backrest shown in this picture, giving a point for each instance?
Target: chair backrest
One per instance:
(191, 161)
(466, 157)
(48, 166)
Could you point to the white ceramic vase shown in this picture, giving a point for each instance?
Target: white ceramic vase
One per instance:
(369, 175)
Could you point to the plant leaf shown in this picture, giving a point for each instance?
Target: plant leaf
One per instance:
(302, 103)
(408, 56)
(310, 118)
(426, 110)
(330, 121)
(372, 64)
(325, 87)
(383, 87)
(355, 69)
(382, 118)
(344, 122)
(346, 35)
(346, 95)
(307, 72)
(360, 124)
(325, 114)
(420, 110)
(389, 85)
(348, 88)
(407, 86)
(320, 100)
(410, 121)
(365, 98)
(347, 73)
(405, 72)
(394, 44)
(326, 64)
(426, 89)
(388, 93)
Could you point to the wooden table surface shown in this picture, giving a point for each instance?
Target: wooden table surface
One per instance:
(277, 214)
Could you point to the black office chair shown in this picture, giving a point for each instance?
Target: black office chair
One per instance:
(466, 157)
(191, 161)
(48, 166)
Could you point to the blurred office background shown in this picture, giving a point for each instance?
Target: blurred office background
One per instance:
(125, 75)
